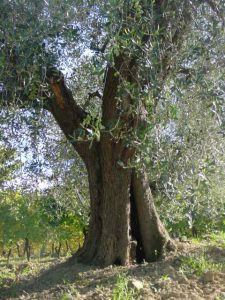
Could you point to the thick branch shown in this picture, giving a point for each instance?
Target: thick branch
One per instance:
(125, 66)
(68, 114)
(109, 101)
(171, 46)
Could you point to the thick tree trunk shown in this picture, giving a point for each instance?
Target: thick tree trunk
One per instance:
(58, 249)
(27, 248)
(124, 226)
(8, 255)
(18, 250)
(108, 235)
(153, 237)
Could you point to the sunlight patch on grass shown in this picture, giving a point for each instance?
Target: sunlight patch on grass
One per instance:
(198, 265)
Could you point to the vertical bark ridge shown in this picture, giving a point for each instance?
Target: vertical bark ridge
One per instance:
(92, 161)
(108, 236)
(123, 216)
(124, 225)
(154, 237)
(136, 254)
(115, 205)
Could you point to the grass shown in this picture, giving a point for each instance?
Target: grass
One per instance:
(121, 290)
(69, 294)
(217, 239)
(7, 276)
(165, 277)
(19, 268)
(198, 264)
(64, 280)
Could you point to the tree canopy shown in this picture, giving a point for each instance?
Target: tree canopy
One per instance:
(136, 87)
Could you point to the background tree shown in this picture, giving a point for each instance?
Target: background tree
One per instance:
(42, 193)
(185, 149)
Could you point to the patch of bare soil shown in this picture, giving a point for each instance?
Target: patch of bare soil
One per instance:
(171, 278)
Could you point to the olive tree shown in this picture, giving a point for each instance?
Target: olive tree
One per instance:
(99, 68)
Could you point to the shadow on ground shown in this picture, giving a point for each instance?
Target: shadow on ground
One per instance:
(85, 282)
(55, 281)
(59, 274)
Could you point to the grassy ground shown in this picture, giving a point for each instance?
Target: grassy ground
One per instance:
(196, 271)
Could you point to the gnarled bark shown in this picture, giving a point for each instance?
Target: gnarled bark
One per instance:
(153, 236)
(124, 225)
